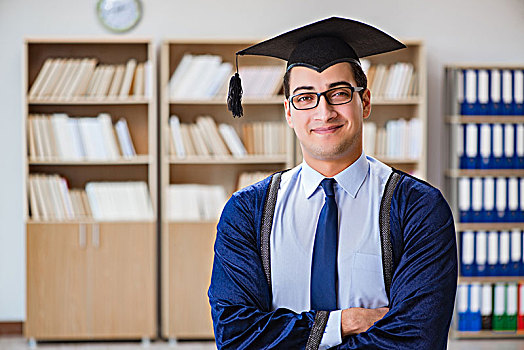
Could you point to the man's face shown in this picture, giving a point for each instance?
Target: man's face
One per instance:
(327, 132)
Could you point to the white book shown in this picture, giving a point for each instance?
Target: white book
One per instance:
(55, 70)
(66, 198)
(42, 76)
(176, 134)
(94, 82)
(178, 75)
(108, 135)
(116, 83)
(67, 86)
(76, 79)
(222, 76)
(498, 140)
(205, 77)
(189, 146)
(220, 147)
(146, 207)
(89, 69)
(64, 77)
(128, 78)
(54, 196)
(78, 147)
(232, 140)
(190, 81)
(105, 82)
(32, 197)
(369, 137)
(201, 148)
(93, 200)
(91, 135)
(41, 197)
(38, 142)
(183, 203)
(63, 137)
(47, 136)
(124, 139)
(138, 81)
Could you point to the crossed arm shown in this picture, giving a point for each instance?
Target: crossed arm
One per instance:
(421, 296)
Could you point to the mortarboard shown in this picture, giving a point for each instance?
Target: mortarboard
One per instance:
(317, 46)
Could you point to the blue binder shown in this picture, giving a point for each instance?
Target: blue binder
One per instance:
(493, 254)
(518, 92)
(469, 105)
(495, 93)
(481, 253)
(467, 261)
(507, 92)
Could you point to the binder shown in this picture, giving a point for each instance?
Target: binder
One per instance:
(509, 146)
(486, 309)
(462, 307)
(518, 89)
(460, 135)
(520, 316)
(481, 253)
(486, 158)
(512, 212)
(475, 317)
(504, 253)
(476, 199)
(493, 253)
(501, 199)
(472, 146)
(464, 199)
(482, 103)
(516, 252)
(499, 307)
(519, 147)
(498, 145)
(467, 267)
(521, 205)
(511, 307)
(507, 92)
(495, 92)
(489, 200)
(469, 104)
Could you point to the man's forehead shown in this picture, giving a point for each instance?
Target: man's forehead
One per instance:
(302, 75)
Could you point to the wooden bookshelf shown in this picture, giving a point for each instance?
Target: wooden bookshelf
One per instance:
(187, 247)
(453, 121)
(86, 279)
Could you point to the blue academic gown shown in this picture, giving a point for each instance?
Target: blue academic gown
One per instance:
(423, 284)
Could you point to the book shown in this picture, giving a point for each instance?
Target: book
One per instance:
(125, 89)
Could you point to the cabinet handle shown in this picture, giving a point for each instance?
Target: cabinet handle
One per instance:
(95, 235)
(82, 236)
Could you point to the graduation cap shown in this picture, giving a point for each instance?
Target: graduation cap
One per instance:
(317, 46)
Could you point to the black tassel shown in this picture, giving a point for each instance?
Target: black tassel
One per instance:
(234, 96)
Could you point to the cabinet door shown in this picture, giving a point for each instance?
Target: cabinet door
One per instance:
(56, 281)
(122, 280)
(190, 265)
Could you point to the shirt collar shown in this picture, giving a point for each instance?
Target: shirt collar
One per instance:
(350, 179)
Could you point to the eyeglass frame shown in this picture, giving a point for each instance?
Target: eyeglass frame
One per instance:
(353, 89)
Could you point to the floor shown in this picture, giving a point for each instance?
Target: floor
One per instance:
(19, 343)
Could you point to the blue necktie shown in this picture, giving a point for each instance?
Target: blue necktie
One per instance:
(324, 265)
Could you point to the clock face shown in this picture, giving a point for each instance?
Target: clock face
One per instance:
(119, 15)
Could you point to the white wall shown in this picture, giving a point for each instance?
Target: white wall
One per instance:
(454, 31)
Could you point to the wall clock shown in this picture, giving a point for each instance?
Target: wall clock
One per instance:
(119, 15)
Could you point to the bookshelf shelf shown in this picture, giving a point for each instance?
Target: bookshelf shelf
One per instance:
(461, 126)
(487, 335)
(454, 173)
(139, 160)
(397, 161)
(84, 101)
(489, 226)
(230, 160)
(490, 119)
(102, 259)
(245, 101)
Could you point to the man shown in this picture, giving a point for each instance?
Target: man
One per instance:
(341, 251)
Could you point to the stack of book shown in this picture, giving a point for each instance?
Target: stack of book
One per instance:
(120, 201)
(491, 199)
(50, 199)
(59, 137)
(207, 77)
(195, 202)
(490, 146)
(206, 138)
(70, 79)
(248, 178)
(491, 91)
(392, 82)
(490, 307)
(492, 253)
(399, 139)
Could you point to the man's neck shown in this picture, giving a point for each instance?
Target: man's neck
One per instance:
(332, 167)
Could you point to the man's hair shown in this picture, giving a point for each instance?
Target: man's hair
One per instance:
(360, 79)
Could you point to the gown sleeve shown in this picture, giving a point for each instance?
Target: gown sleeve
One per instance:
(425, 278)
(239, 295)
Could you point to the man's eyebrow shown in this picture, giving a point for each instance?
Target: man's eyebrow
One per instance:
(332, 85)
(303, 88)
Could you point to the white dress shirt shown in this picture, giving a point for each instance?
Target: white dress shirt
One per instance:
(358, 193)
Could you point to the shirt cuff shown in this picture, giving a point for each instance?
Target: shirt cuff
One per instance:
(332, 336)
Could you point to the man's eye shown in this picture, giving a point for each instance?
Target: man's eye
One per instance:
(305, 98)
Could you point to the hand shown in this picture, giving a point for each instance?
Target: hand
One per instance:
(357, 320)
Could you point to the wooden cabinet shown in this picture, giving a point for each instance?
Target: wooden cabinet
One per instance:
(89, 279)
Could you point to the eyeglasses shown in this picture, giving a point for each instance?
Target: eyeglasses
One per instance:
(335, 96)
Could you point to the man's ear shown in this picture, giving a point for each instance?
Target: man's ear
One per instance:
(287, 107)
(366, 103)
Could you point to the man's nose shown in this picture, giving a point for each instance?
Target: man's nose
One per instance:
(324, 110)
